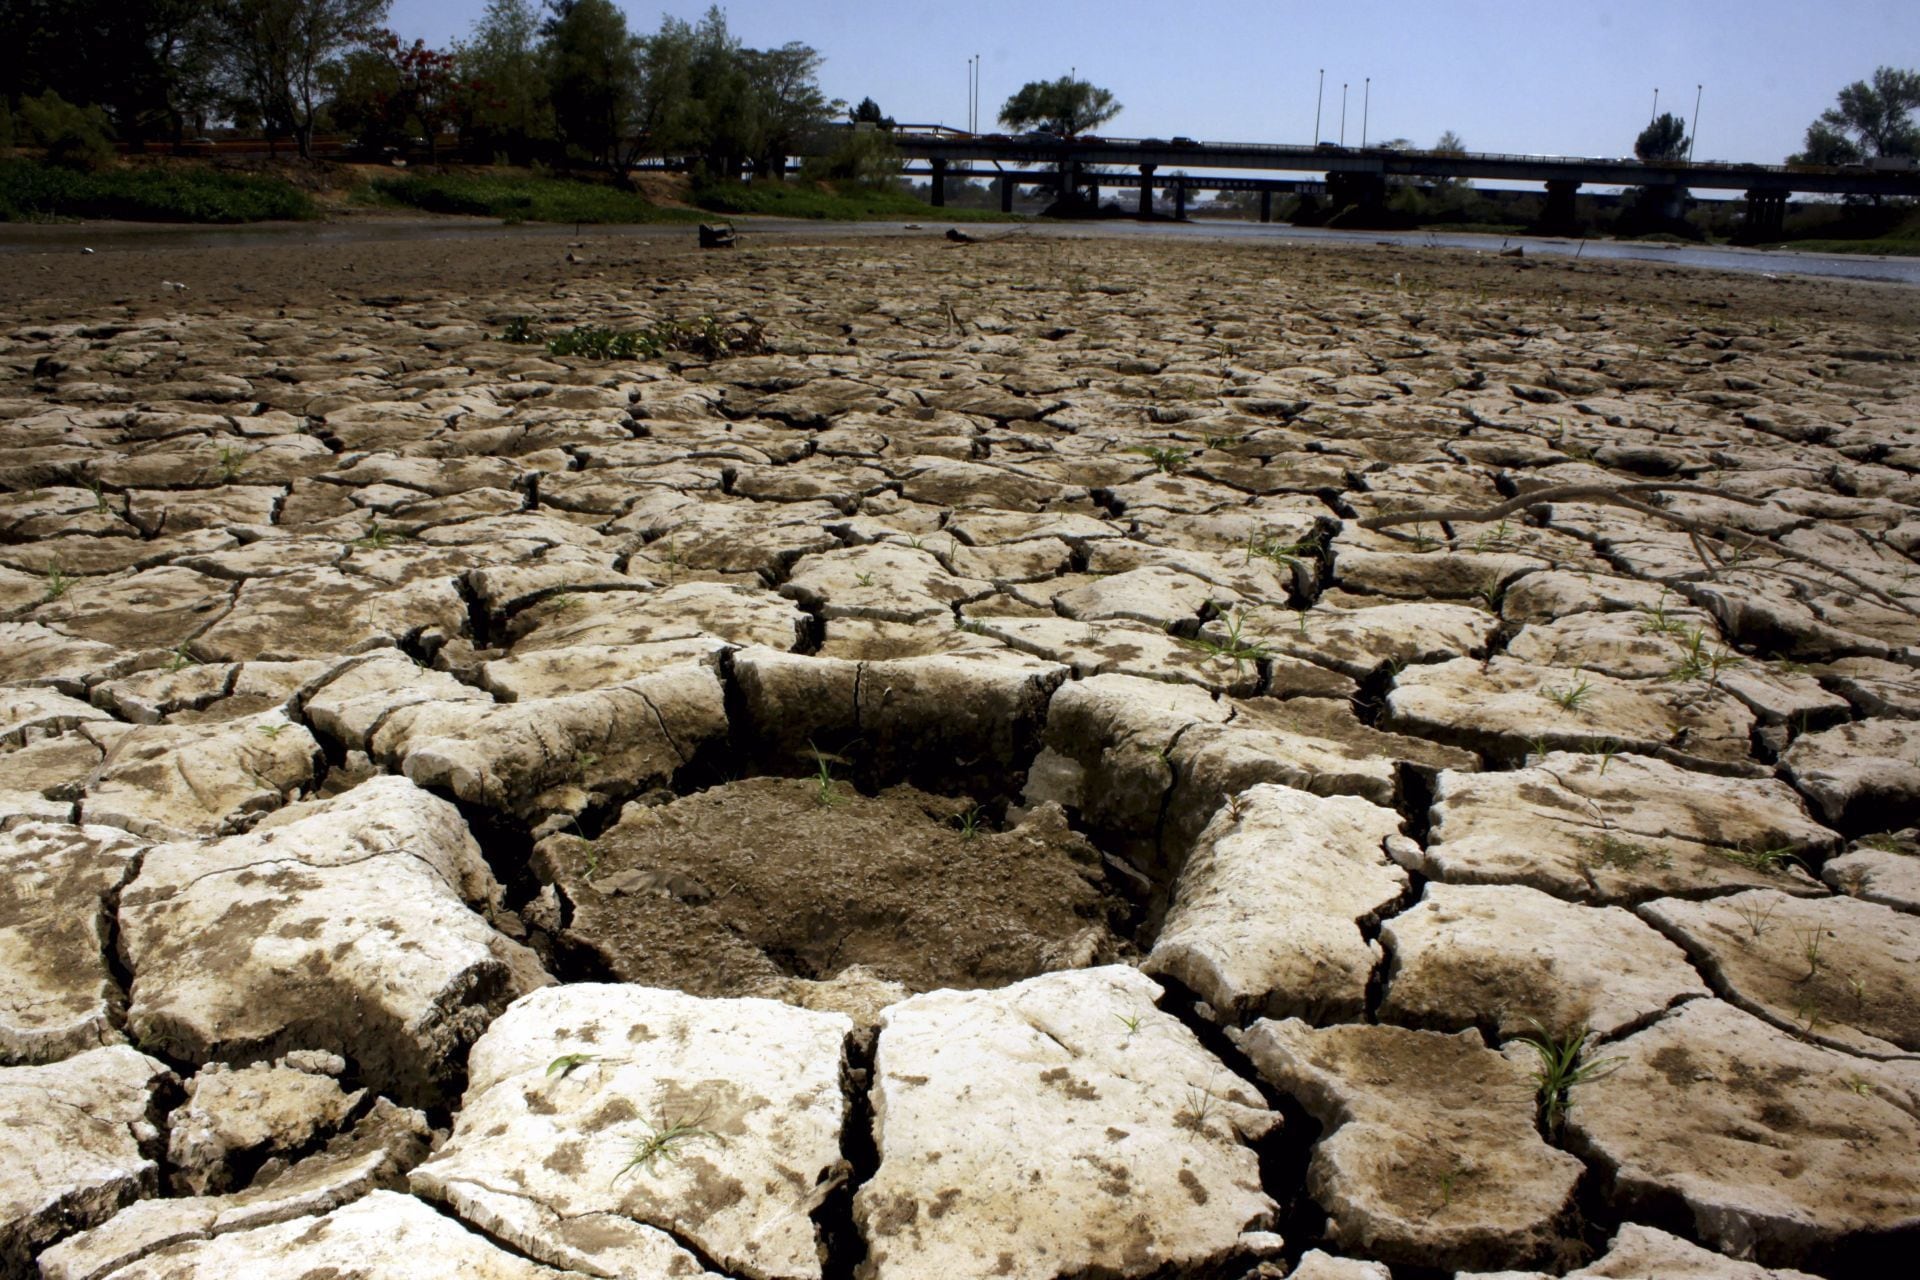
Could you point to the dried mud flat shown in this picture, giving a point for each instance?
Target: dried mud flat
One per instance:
(1081, 759)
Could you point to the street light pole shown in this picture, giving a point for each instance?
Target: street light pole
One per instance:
(1694, 133)
(1656, 105)
(1366, 102)
(1343, 113)
(1319, 97)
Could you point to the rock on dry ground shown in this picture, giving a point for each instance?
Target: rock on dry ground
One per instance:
(406, 734)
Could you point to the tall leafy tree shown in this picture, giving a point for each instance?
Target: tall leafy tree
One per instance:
(150, 66)
(1664, 138)
(508, 108)
(278, 52)
(787, 100)
(1065, 106)
(593, 64)
(1870, 118)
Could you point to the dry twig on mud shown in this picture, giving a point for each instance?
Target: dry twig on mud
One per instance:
(1627, 495)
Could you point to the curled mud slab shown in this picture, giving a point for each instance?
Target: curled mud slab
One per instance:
(1078, 759)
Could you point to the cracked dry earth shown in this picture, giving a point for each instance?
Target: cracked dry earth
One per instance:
(982, 788)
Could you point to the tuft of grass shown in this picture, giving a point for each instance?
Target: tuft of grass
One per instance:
(1571, 697)
(1560, 1068)
(1235, 645)
(663, 1140)
(520, 330)
(231, 463)
(826, 790)
(377, 538)
(1165, 458)
(969, 823)
(705, 337)
(1758, 920)
(1611, 851)
(563, 1065)
(1696, 662)
(57, 583)
(1285, 554)
(1768, 861)
(1658, 621)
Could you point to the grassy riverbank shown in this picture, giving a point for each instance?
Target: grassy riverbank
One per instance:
(32, 191)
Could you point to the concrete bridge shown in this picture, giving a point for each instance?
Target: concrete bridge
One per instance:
(1176, 185)
(1359, 175)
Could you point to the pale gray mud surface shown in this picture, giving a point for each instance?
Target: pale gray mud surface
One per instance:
(1047, 757)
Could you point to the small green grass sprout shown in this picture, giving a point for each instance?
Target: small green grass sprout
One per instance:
(1560, 1067)
(663, 1140)
(1572, 696)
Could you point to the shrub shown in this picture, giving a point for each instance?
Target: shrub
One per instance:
(30, 189)
(72, 137)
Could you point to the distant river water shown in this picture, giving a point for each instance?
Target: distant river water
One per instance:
(108, 237)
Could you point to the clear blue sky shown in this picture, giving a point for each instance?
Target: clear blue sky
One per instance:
(1504, 74)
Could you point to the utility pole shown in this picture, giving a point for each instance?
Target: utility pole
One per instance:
(969, 95)
(1694, 132)
(1656, 105)
(1343, 113)
(1319, 97)
(1366, 101)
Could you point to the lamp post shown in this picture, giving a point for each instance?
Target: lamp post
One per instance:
(1656, 105)
(1343, 113)
(1319, 97)
(1366, 101)
(1694, 133)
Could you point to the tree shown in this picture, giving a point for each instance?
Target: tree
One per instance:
(150, 66)
(1663, 140)
(1450, 144)
(593, 75)
(1870, 119)
(1066, 106)
(788, 102)
(508, 108)
(386, 91)
(278, 51)
(868, 112)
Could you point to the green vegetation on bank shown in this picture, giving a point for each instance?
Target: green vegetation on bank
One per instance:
(519, 197)
(31, 190)
(827, 200)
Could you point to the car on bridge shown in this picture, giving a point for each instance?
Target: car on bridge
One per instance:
(1181, 142)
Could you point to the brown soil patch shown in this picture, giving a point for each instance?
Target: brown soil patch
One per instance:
(723, 892)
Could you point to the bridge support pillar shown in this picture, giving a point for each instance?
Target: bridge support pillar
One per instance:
(938, 191)
(1093, 193)
(1146, 190)
(1559, 216)
(1180, 199)
(1006, 193)
(1363, 192)
(1266, 206)
(1766, 216)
